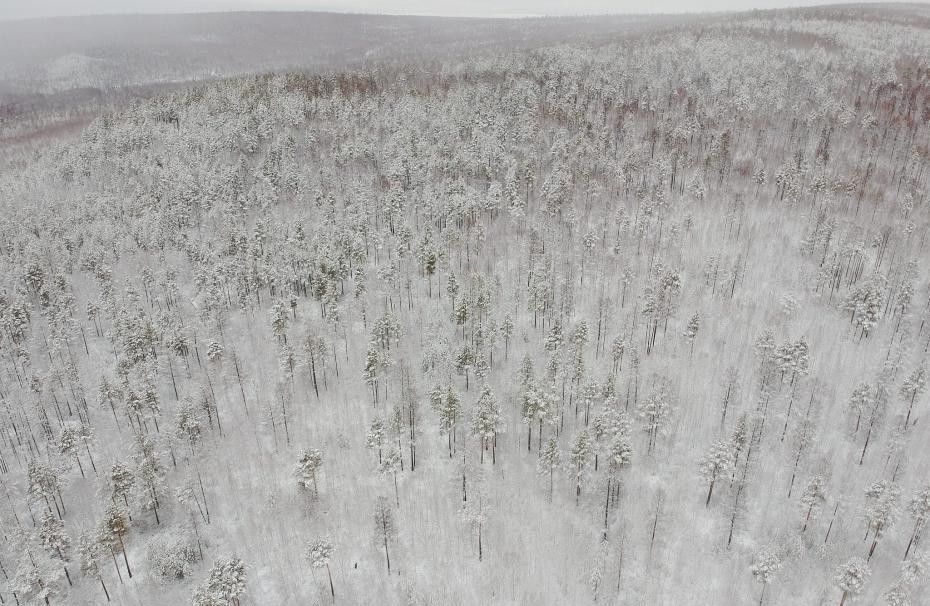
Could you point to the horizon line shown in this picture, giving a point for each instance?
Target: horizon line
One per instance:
(482, 16)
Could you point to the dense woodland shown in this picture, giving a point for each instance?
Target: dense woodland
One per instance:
(644, 322)
(68, 69)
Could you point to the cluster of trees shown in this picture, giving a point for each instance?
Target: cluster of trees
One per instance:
(466, 300)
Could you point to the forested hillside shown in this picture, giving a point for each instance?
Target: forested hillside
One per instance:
(643, 322)
(62, 70)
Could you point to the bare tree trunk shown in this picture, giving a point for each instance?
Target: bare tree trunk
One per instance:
(332, 591)
(387, 554)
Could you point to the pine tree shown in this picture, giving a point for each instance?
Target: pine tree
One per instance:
(793, 359)
(554, 338)
(486, 422)
(308, 464)
(866, 304)
(507, 333)
(170, 555)
(44, 482)
(881, 509)
(279, 321)
(535, 408)
(122, 480)
(549, 459)
(320, 552)
(619, 457)
(447, 405)
(452, 288)
(691, 331)
(765, 565)
(113, 527)
(374, 439)
(914, 385)
(391, 465)
(67, 445)
(463, 362)
(897, 595)
(655, 411)
(31, 584)
(88, 550)
(225, 584)
(476, 516)
(860, 401)
(55, 540)
(150, 475)
(714, 464)
(813, 497)
(919, 508)
(617, 347)
(187, 424)
(384, 527)
(579, 458)
(850, 577)
(372, 370)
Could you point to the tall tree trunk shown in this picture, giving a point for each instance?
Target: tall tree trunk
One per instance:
(329, 574)
(125, 559)
(387, 554)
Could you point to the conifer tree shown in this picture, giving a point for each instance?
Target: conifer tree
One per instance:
(850, 578)
(308, 465)
(113, 527)
(765, 565)
(813, 498)
(579, 458)
(88, 550)
(919, 508)
(374, 439)
(549, 459)
(655, 410)
(691, 331)
(385, 528)
(55, 540)
(150, 475)
(507, 333)
(881, 509)
(715, 464)
(320, 552)
(913, 387)
(486, 422)
(447, 405)
(391, 465)
(224, 586)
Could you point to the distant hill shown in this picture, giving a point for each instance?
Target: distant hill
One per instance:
(53, 55)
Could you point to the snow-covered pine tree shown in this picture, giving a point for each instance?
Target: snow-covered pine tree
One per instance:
(225, 585)
(919, 508)
(850, 578)
(765, 565)
(881, 509)
(579, 458)
(716, 462)
(813, 498)
(385, 528)
(308, 465)
(88, 555)
(486, 422)
(549, 459)
(319, 553)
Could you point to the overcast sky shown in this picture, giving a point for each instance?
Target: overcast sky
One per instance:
(19, 9)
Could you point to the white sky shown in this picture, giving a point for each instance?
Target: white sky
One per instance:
(19, 9)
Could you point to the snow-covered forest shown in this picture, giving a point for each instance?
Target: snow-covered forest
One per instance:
(638, 321)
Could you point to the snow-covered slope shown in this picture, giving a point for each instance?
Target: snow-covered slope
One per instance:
(643, 322)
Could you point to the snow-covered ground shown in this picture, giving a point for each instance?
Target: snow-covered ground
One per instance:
(642, 322)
